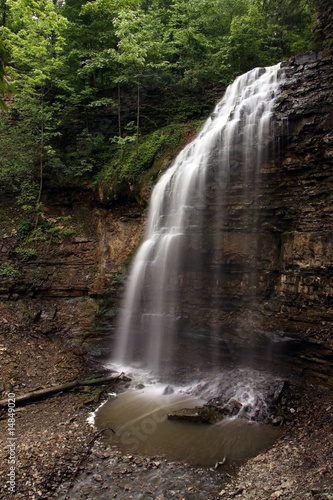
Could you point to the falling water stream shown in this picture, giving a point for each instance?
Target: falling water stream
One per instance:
(152, 346)
(235, 136)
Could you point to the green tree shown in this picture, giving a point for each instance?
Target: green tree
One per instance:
(131, 53)
(3, 80)
(3, 12)
(138, 55)
(33, 38)
(270, 31)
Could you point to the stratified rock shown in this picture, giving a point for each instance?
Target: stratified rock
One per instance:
(200, 414)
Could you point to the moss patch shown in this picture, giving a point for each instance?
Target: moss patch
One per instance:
(131, 174)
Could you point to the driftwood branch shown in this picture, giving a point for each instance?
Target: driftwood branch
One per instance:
(85, 456)
(38, 394)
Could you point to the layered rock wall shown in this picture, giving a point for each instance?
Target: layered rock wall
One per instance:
(300, 192)
(61, 290)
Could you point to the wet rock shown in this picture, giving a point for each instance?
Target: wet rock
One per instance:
(277, 421)
(206, 414)
(232, 408)
(275, 395)
(168, 390)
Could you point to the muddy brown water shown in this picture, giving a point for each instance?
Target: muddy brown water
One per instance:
(139, 423)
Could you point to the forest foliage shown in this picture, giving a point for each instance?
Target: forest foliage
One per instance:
(102, 87)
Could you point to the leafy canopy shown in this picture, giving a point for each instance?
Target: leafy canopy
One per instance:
(85, 70)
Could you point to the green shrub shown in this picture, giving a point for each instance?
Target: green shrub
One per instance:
(9, 271)
(28, 196)
(26, 253)
(23, 230)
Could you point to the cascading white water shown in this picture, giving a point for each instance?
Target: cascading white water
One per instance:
(234, 137)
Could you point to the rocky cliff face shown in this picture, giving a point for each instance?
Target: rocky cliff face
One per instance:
(302, 198)
(60, 291)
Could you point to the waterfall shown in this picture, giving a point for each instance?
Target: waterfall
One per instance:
(164, 287)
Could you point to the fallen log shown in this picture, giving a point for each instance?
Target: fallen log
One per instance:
(38, 394)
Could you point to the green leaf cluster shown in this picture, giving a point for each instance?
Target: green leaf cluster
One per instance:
(7, 270)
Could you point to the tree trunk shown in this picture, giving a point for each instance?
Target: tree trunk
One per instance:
(38, 394)
(4, 13)
(138, 119)
(119, 125)
(41, 162)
